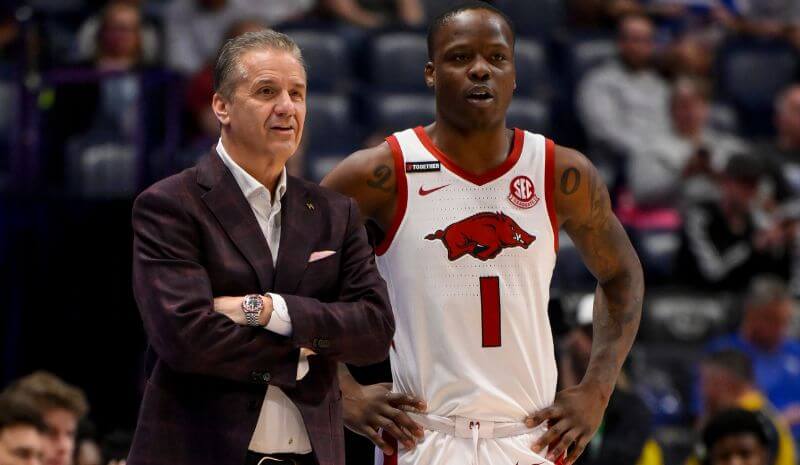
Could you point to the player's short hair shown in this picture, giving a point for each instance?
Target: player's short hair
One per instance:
(739, 421)
(45, 391)
(765, 290)
(17, 411)
(446, 16)
(227, 68)
(733, 361)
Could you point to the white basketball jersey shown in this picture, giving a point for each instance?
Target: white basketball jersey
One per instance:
(468, 261)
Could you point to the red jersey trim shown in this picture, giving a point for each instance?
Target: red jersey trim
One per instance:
(478, 179)
(402, 196)
(549, 187)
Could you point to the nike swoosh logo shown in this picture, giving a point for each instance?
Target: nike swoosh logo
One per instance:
(424, 192)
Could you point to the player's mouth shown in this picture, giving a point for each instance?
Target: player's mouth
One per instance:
(480, 95)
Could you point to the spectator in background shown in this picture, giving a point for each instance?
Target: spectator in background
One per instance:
(683, 158)
(119, 37)
(782, 155)
(726, 382)
(61, 407)
(623, 437)
(769, 19)
(723, 242)
(21, 430)
(625, 103)
(763, 336)
(119, 31)
(195, 28)
(739, 437)
(375, 14)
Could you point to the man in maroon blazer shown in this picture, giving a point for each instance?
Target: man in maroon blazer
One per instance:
(252, 285)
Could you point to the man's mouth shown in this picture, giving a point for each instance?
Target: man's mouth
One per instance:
(480, 94)
(282, 128)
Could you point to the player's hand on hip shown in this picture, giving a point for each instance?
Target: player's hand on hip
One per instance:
(573, 419)
(375, 407)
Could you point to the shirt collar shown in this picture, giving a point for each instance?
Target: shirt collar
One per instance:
(247, 183)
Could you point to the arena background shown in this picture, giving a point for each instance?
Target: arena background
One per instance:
(100, 99)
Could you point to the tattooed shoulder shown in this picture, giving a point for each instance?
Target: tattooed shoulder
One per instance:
(570, 181)
(381, 179)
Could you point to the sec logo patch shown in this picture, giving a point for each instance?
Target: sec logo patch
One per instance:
(523, 194)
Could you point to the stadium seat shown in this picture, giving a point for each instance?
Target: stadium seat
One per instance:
(664, 378)
(751, 75)
(400, 111)
(532, 70)
(547, 18)
(329, 124)
(685, 318)
(586, 53)
(398, 62)
(100, 167)
(326, 57)
(528, 114)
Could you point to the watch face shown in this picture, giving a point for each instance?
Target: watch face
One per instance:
(252, 303)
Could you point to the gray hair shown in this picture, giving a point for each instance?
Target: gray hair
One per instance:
(764, 290)
(227, 64)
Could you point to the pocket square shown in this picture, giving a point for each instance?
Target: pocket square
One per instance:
(319, 255)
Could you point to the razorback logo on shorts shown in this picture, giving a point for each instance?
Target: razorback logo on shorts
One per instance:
(483, 236)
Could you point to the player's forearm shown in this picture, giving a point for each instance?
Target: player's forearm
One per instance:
(617, 311)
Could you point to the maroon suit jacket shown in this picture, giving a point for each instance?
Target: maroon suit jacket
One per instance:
(196, 238)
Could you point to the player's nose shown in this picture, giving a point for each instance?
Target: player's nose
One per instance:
(480, 71)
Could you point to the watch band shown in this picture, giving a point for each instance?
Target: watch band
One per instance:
(251, 318)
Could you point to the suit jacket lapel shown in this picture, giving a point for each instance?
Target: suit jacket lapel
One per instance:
(228, 204)
(299, 218)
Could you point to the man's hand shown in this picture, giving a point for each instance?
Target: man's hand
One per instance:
(232, 308)
(376, 406)
(573, 419)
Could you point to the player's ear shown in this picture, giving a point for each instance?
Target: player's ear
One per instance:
(430, 75)
(219, 105)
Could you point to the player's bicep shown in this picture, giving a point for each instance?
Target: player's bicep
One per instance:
(368, 177)
(583, 200)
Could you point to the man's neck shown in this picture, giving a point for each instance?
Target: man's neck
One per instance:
(264, 168)
(474, 150)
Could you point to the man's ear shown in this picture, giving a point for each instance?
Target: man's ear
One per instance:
(220, 106)
(430, 75)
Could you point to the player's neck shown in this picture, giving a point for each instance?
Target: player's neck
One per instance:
(476, 151)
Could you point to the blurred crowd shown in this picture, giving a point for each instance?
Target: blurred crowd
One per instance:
(689, 108)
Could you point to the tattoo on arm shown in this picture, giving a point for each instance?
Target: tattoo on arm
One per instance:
(382, 174)
(570, 181)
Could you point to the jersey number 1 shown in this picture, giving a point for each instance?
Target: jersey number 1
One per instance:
(490, 311)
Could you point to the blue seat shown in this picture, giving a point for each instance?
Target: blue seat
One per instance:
(753, 72)
(528, 114)
(396, 112)
(587, 53)
(533, 77)
(398, 62)
(329, 124)
(326, 57)
(687, 319)
(539, 20)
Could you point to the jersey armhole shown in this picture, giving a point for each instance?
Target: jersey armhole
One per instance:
(402, 196)
(549, 187)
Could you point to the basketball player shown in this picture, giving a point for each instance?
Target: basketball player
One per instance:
(471, 212)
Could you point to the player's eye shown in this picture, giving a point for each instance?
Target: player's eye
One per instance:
(460, 57)
(498, 57)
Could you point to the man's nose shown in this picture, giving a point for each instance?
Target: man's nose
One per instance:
(480, 70)
(284, 105)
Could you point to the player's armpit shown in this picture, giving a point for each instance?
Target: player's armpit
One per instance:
(368, 176)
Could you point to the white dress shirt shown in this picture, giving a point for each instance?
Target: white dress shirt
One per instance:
(280, 428)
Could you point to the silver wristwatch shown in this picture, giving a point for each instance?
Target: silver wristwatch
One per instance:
(252, 306)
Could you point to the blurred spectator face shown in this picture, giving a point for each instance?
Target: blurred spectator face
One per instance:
(767, 327)
(59, 443)
(689, 109)
(120, 34)
(472, 69)
(739, 449)
(635, 41)
(718, 387)
(88, 453)
(20, 445)
(267, 109)
(788, 117)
